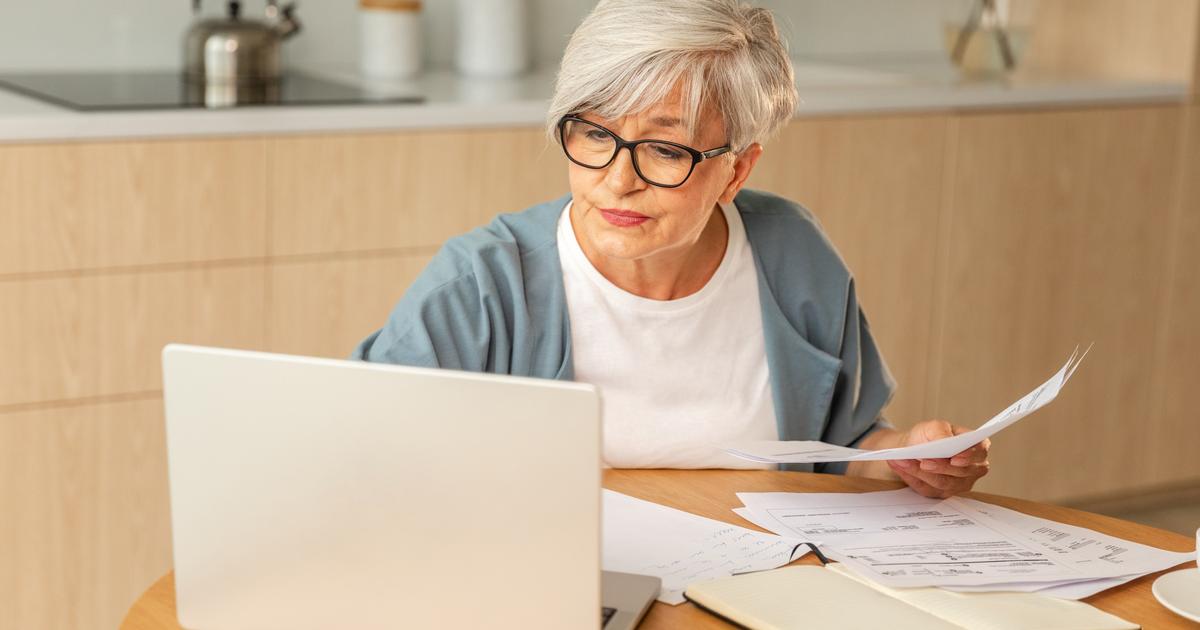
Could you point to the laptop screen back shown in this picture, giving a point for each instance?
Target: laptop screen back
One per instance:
(315, 493)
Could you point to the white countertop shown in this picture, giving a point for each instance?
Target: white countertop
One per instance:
(450, 101)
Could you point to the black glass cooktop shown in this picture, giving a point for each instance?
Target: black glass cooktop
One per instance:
(106, 91)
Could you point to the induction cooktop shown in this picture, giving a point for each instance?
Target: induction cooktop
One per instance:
(119, 91)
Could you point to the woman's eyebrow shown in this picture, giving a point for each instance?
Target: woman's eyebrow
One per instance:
(665, 121)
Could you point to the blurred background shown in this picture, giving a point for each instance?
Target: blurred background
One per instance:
(1003, 193)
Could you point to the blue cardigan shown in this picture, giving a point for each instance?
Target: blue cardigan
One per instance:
(492, 300)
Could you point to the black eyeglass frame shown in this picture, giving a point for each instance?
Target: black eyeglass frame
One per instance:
(697, 156)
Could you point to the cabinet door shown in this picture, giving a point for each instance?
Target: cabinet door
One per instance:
(344, 193)
(87, 335)
(1055, 237)
(120, 204)
(324, 308)
(875, 183)
(86, 516)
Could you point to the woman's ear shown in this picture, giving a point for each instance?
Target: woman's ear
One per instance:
(742, 165)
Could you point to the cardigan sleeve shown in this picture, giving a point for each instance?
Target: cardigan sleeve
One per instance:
(455, 314)
(864, 386)
(481, 305)
(435, 324)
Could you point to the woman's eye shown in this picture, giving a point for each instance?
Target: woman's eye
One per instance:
(596, 135)
(663, 152)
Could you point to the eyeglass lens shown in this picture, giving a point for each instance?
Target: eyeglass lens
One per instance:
(594, 147)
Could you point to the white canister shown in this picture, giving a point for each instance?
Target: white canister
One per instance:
(390, 38)
(493, 37)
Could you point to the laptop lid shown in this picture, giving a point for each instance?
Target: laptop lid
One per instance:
(318, 493)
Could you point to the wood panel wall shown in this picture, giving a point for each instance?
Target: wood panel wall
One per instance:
(1177, 360)
(984, 245)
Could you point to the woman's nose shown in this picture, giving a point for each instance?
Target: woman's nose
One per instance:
(621, 177)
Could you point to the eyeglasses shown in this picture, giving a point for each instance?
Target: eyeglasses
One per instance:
(657, 162)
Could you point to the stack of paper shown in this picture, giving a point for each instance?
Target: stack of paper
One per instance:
(901, 539)
(681, 548)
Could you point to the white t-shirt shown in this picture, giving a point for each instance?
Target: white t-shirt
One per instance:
(675, 376)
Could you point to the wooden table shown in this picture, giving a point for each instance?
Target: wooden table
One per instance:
(711, 493)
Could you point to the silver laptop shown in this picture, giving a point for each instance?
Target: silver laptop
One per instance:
(316, 493)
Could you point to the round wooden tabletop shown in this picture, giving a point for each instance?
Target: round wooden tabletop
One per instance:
(712, 493)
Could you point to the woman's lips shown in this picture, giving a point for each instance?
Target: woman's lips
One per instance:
(623, 218)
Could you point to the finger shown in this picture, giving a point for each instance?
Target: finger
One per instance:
(931, 479)
(945, 483)
(931, 430)
(948, 467)
(969, 457)
(921, 487)
(949, 484)
(975, 455)
(973, 471)
(902, 465)
(936, 463)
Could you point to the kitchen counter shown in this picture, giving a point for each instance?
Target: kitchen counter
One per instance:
(450, 101)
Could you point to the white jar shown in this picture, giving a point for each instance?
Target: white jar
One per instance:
(493, 37)
(390, 38)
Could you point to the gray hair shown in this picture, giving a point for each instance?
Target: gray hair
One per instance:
(628, 55)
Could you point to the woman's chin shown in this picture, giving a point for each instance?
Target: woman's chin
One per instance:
(625, 242)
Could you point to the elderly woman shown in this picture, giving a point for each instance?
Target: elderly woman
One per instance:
(704, 312)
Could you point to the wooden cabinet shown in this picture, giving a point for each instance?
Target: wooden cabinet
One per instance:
(68, 207)
(325, 308)
(1056, 230)
(86, 522)
(343, 193)
(984, 246)
(81, 335)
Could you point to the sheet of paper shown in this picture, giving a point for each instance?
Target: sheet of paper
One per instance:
(1085, 549)
(899, 538)
(1059, 590)
(809, 452)
(681, 548)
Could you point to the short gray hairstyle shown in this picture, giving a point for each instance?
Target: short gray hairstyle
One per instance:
(628, 55)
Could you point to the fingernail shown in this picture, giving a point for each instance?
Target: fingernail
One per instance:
(958, 462)
(928, 465)
(903, 463)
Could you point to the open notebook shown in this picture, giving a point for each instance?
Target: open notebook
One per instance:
(831, 596)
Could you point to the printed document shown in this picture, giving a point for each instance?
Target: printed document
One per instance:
(681, 548)
(808, 452)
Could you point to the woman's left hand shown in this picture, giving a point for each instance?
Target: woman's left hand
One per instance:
(945, 477)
